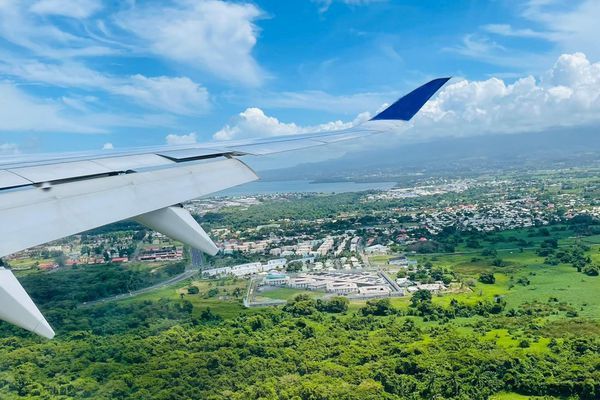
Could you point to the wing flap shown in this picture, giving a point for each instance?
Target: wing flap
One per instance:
(132, 163)
(191, 154)
(61, 171)
(9, 179)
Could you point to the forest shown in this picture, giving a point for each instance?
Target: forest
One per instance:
(180, 348)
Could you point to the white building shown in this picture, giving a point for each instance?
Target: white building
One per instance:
(342, 287)
(277, 263)
(377, 249)
(276, 280)
(432, 287)
(246, 269)
(371, 290)
(404, 282)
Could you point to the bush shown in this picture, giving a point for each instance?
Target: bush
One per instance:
(524, 344)
(487, 278)
(378, 307)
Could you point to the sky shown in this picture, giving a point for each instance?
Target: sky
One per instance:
(92, 74)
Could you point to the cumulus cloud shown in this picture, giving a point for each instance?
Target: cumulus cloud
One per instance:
(213, 35)
(173, 139)
(108, 146)
(567, 95)
(253, 122)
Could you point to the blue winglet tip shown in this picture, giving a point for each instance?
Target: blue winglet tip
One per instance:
(406, 107)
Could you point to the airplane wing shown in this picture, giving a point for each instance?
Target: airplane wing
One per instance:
(48, 197)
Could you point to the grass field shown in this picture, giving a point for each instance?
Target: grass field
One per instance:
(576, 290)
(286, 293)
(224, 304)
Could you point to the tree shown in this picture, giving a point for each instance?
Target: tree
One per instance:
(489, 252)
(591, 270)
(193, 290)
(378, 307)
(487, 278)
(420, 296)
(338, 304)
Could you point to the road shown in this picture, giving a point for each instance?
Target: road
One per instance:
(171, 281)
(390, 281)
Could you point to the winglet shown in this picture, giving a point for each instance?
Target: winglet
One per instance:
(406, 107)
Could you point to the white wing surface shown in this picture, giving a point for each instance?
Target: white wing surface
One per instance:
(48, 197)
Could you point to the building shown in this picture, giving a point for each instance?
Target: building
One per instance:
(402, 262)
(46, 266)
(374, 290)
(404, 282)
(432, 287)
(302, 282)
(276, 280)
(377, 249)
(277, 263)
(341, 287)
(247, 269)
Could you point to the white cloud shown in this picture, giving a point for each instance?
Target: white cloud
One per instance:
(21, 112)
(567, 95)
(325, 4)
(67, 8)
(108, 146)
(33, 32)
(212, 35)
(173, 139)
(484, 49)
(508, 30)
(9, 149)
(177, 95)
(567, 26)
(68, 74)
(321, 101)
(253, 122)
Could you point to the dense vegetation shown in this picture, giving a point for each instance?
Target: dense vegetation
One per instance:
(164, 350)
(80, 284)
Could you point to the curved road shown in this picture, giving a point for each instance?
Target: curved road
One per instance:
(171, 281)
(191, 269)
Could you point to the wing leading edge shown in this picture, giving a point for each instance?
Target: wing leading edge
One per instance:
(48, 197)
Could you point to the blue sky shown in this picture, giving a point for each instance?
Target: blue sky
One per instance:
(83, 74)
